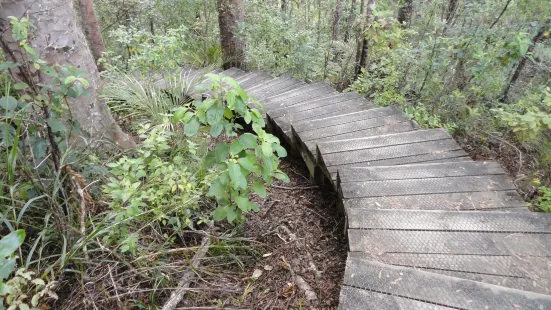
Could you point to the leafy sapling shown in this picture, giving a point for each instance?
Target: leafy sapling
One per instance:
(246, 164)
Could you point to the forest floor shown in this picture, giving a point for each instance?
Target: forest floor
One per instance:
(300, 252)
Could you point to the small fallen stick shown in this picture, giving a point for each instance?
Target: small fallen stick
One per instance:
(184, 283)
(295, 188)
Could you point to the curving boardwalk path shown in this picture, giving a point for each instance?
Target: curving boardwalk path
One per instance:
(428, 227)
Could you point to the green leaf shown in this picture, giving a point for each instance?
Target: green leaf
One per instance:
(267, 149)
(221, 151)
(11, 242)
(179, 114)
(248, 141)
(281, 176)
(243, 203)
(236, 147)
(237, 178)
(20, 86)
(3, 291)
(231, 215)
(9, 103)
(219, 213)
(8, 65)
(192, 127)
(246, 163)
(218, 190)
(216, 129)
(281, 152)
(56, 125)
(6, 267)
(70, 79)
(259, 189)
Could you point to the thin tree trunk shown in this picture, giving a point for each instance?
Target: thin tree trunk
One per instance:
(501, 14)
(284, 6)
(230, 13)
(522, 63)
(336, 21)
(350, 20)
(91, 28)
(56, 34)
(365, 43)
(404, 12)
(450, 12)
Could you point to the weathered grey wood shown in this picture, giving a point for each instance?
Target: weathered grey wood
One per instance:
(420, 171)
(352, 298)
(450, 242)
(438, 220)
(255, 80)
(285, 100)
(336, 109)
(445, 201)
(233, 72)
(380, 152)
(286, 89)
(255, 90)
(383, 141)
(436, 289)
(346, 118)
(317, 103)
(353, 126)
(363, 133)
(279, 88)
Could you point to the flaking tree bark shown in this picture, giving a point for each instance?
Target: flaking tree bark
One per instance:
(92, 31)
(450, 12)
(230, 14)
(58, 39)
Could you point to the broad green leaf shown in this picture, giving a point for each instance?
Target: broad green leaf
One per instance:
(192, 127)
(236, 147)
(69, 80)
(236, 176)
(20, 86)
(216, 129)
(259, 189)
(179, 114)
(231, 215)
(220, 213)
(281, 176)
(3, 291)
(221, 151)
(9, 103)
(248, 141)
(243, 203)
(218, 190)
(11, 242)
(267, 149)
(246, 163)
(56, 125)
(8, 65)
(281, 152)
(6, 267)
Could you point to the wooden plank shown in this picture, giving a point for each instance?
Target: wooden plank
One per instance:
(509, 271)
(435, 289)
(439, 220)
(454, 242)
(279, 88)
(383, 141)
(287, 100)
(320, 102)
(352, 298)
(381, 151)
(446, 201)
(458, 184)
(346, 118)
(332, 110)
(353, 126)
(255, 80)
(233, 72)
(255, 89)
(369, 132)
(420, 171)
(290, 92)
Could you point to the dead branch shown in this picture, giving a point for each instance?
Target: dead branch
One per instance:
(184, 283)
(295, 188)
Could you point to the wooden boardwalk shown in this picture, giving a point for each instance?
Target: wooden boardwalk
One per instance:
(428, 227)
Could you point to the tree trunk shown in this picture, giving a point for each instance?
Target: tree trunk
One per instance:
(284, 6)
(365, 43)
(230, 13)
(336, 21)
(350, 21)
(58, 39)
(91, 28)
(404, 13)
(522, 63)
(450, 13)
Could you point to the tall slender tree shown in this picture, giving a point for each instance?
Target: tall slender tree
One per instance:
(230, 15)
(336, 21)
(363, 51)
(59, 40)
(350, 20)
(90, 25)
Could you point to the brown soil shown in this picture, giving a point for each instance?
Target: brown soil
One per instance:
(298, 234)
